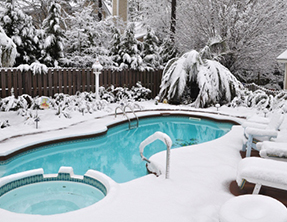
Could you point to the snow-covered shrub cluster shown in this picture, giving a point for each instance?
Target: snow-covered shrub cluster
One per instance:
(260, 100)
(136, 93)
(199, 81)
(21, 104)
(84, 102)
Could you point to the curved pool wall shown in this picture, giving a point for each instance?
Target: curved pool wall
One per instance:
(97, 184)
(103, 133)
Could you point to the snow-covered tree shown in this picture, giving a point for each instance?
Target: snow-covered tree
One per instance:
(192, 78)
(87, 39)
(168, 50)
(115, 46)
(53, 47)
(130, 50)
(157, 14)
(151, 50)
(8, 50)
(18, 26)
(254, 31)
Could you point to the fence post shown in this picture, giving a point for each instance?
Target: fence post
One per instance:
(3, 83)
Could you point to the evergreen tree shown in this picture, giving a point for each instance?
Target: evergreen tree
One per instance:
(8, 50)
(53, 47)
(87, 39)
(115, 46)
(168, 50)
(151, 50)
(18, 26)
(130, 50)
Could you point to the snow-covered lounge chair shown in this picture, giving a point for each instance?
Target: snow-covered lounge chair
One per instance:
(260, 171)
(254, 131)
(274, 150)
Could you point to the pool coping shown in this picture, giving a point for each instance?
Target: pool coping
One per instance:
(215, 116)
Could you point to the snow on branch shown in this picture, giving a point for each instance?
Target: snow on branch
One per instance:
(8, 50)
(207, 81)
(35, 67)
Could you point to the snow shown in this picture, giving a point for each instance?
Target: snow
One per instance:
(255, 208)
(262, 171)
(8, 50)
(261, 132)
(272, 149)
(68, 170)
(200, 174)
(18, 176)
(152, 166)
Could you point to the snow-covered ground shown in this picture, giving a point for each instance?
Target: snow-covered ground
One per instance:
(199, 175)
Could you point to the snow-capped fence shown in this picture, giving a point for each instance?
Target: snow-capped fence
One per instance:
(71, 80)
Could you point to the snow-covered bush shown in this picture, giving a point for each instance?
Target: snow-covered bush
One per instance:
(30, 117)
(136, 93)
(140, 93)
(84, 102)
(206, 81)
(21, 104)
(260, 100)
(4, 124)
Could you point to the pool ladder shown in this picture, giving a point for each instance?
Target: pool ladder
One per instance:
(123, 109)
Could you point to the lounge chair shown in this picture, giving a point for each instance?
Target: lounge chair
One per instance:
(260, 171)
(277, 150)
(255, 132)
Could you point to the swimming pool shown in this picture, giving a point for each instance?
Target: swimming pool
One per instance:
(116, 153)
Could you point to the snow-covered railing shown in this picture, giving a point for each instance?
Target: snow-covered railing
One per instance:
(151, 166)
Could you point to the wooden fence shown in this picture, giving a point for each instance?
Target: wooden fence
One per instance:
(71, 80)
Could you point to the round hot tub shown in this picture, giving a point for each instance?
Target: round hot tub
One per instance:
(32, 192)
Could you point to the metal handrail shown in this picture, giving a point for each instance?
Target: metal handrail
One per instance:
(128, 105)
(168, 142)
(123, 107)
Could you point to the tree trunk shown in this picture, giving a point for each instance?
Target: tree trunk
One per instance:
(173, 19)
(100, 7)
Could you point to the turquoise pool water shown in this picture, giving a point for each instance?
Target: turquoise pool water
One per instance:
(46, 198)
(116, 153)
